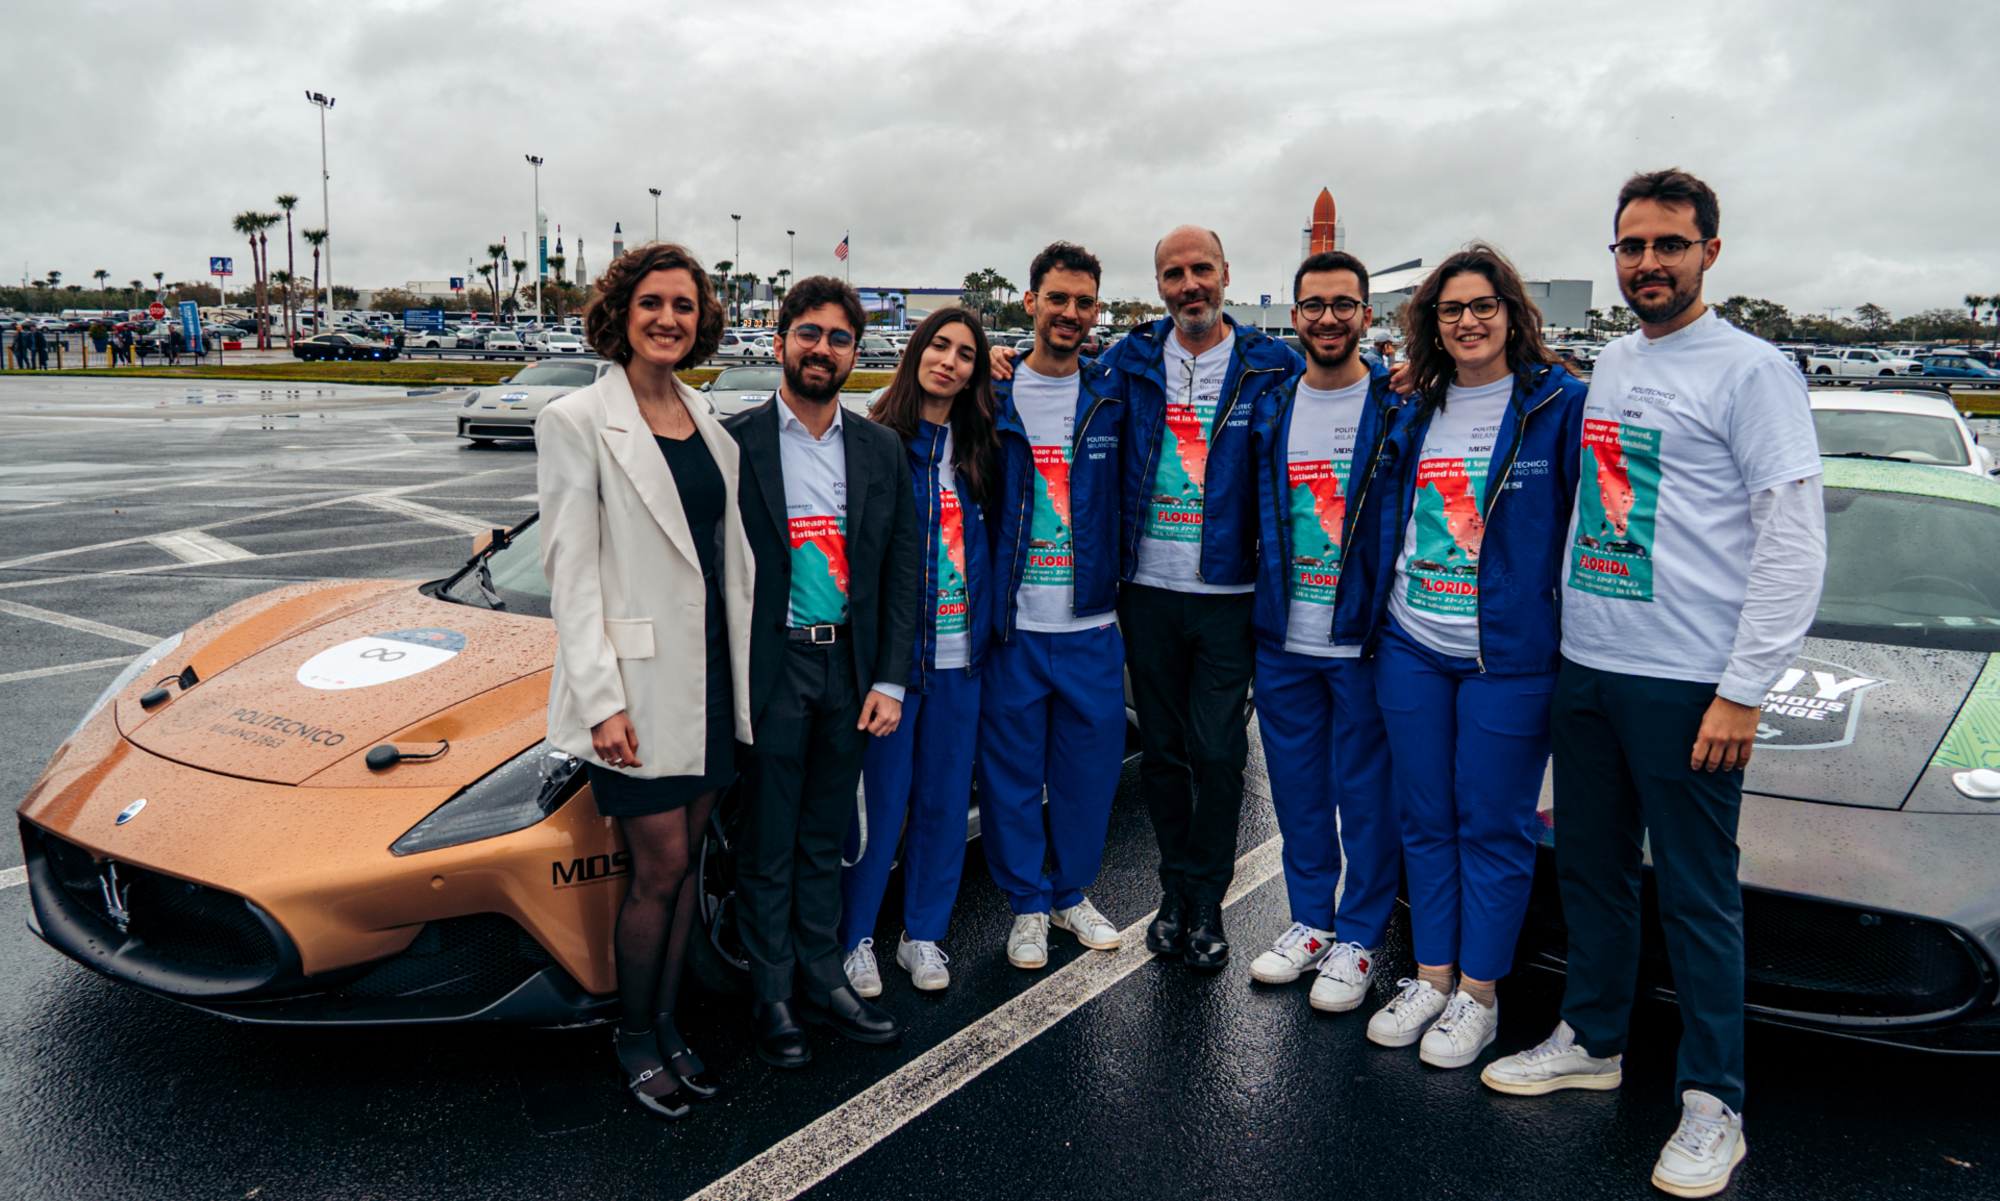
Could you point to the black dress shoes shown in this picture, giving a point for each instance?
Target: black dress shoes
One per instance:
(848, 1014)
(1207, 945)
(1167, 935)
(781, 1041)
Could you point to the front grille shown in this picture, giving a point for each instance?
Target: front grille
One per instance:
(1808, 957)
(485, 953)
(476, 429)
(198, 926)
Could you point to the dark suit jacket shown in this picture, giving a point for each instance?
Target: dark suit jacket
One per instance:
(884, 550)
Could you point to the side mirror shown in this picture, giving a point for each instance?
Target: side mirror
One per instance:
(505, 378)
(709, 386)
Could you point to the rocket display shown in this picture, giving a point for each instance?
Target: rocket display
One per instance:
(1323, 234)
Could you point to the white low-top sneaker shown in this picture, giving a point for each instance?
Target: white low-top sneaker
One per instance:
(925, 962)
(861, 970)
(1028, 941)
(1458, 1036)
(1697, 1160)
(1405, 1018)
(1091, 928)
(1558, 1062)
(1342, 983)
(1296, 950)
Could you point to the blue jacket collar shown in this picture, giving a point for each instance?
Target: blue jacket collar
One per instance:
(1254, 348)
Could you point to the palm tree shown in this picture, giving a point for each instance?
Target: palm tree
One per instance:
(100, 275)
(315, 238)
(722, 279)
(494, 251)
(514, 294)
(287, 202)
(160, 283)
(248, 223)
(486, 271)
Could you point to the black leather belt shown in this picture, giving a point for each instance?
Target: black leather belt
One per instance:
(824, 634)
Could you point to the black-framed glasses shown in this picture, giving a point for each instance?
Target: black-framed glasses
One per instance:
(1668, 251)
(809, 336)
(1451, 311)
(1312, 308)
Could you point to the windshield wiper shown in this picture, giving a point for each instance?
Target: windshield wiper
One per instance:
(476, 566)
(1862, 454)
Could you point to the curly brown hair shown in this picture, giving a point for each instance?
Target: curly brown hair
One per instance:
(604, 321)
(1431, 366)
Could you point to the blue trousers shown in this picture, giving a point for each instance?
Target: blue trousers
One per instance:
(1621, 752)
(922, 773)
(1054, 717)
(1469, 750)
(1328, 754)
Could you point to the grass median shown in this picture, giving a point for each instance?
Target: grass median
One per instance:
(429, 373)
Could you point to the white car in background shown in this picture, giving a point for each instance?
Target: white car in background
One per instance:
(504, 339)
(738, 389)
(555, 341)
(1859, 363)
(1904, 425)
(506, 411)
(430, 340)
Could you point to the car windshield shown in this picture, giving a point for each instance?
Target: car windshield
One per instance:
(749, 379)
(1910, 571)
(556, 375)
(562, 337)
(515, 575)
(1913, 437)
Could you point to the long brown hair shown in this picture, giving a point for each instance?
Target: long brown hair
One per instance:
(975, 447)
(604, 320)
(1431, 366)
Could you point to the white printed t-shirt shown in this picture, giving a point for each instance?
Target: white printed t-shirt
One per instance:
(1678, 435)
(1046, 600)
(1170, 541)
(1319, 455)
(1435, 598)
(952, 614)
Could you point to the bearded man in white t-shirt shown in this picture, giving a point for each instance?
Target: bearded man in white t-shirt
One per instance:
(1696, 558)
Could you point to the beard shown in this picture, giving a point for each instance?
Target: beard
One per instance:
(795, 381)
(1196, 328)
(1663, 311)
(1321, 359)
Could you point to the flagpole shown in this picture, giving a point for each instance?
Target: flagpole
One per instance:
(847, 240)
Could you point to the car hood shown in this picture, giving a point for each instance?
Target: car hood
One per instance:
(305, 702)
(507, 397)
(1861, 723)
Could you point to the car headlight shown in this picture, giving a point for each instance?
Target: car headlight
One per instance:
(133, 670)
(513, 796)
(471, 398)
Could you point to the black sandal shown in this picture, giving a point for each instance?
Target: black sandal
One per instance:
(695, 1077)
(672, 1105)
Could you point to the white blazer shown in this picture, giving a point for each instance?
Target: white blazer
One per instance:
(625, 583)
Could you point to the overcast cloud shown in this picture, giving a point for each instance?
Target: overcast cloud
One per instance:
(1851, 142)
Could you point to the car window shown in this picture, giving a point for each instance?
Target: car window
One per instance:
(555, 375)
(1910, 436)
(1910, 571)
(749, 379)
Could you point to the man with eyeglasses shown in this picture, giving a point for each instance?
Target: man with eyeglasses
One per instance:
(1695, 563)
(1312, 438)
(832, 524)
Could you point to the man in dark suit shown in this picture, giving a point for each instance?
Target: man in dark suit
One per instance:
(826, 502)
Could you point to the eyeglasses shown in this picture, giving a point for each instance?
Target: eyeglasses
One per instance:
(1059, 301)
(1312, 308)
(809, 336)
(1450, 311)
(1668, 250)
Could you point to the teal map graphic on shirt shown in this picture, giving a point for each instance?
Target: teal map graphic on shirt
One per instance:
(819, 570)
(951, 595)
(1444, 567)
(1616, 506)
(1050, 542)
(1173, 513)
(1318, 510)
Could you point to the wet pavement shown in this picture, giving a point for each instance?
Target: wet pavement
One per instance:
(1103, 1074)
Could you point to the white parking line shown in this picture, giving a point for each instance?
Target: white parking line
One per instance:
(817, 1151)
(422, 512)
(194, 546)
(84, 624)
(63, 669)
(13, 876)
(276, 580)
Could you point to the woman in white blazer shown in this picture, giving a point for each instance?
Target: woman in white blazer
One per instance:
(650, 577)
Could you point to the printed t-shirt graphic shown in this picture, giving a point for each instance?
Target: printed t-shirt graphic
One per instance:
(1170, 542)
(1319, 453)
(1612, 554)
(1436, 598)
(952, 617)
(1046, 406)
(819, 568)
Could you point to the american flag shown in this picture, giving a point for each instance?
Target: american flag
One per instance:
(840, 251)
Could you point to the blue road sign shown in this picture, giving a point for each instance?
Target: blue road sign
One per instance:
(430, 320)
(1266, 299)
(220, 266)
(191, 326)
(458, 283)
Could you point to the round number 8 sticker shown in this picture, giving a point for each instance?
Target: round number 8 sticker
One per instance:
(380, 658)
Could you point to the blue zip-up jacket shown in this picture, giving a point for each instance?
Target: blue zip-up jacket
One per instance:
(1094, 486)
(1270, 437)
(1258, 364)
(926, 454)
(1530, 491)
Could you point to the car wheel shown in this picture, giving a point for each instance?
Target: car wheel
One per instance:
(1888, 371)
(715, 953)
(1824, 371)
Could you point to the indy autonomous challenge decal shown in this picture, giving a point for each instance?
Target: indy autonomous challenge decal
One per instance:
(1813, 707)
(380, 658)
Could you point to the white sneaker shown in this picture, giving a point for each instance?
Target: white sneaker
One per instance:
(861, 970)
(1465, 1029)
(1296, 950)
(1343, 978)
(1091, 928)
(925, 963)
(1557, 1063)
(1404, 1019)
(1697, 1160)
(1028, 941)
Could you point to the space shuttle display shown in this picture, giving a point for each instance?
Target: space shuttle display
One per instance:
(1325, 235)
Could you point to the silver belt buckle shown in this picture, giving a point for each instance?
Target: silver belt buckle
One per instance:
(829, 629)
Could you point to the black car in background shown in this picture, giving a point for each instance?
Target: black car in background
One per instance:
(341, 346)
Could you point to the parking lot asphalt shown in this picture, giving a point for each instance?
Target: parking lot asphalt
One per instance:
(129, 510)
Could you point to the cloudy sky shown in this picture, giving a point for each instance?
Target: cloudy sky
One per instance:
(1851, 141)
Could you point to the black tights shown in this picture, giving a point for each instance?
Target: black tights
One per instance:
(658, 913)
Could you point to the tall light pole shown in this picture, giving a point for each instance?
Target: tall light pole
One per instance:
(736, 268)
(656, 213)
(536, 251)
(324, 103)
(793, 234)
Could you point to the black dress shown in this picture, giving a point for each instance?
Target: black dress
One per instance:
(703, 499)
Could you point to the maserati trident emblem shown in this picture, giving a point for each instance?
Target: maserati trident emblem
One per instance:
(115, 897)
(130, 811)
